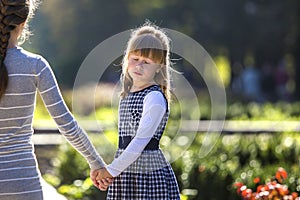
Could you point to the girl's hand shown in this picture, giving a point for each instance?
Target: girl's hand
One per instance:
(104, 179)
(98, 179)
(104, 183)
(102, 173)
(93, 174)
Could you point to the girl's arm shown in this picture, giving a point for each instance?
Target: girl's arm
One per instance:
(67, 125)
(154, 109)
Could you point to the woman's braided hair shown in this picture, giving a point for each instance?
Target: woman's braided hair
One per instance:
(12, 14)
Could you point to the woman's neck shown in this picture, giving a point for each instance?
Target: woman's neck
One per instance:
(13, 41)
(14, 35)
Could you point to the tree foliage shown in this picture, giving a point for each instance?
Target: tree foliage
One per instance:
(267, 31)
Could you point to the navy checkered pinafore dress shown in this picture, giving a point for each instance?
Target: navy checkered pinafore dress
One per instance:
(150, 176)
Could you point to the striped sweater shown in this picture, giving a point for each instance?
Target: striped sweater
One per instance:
(28, 74)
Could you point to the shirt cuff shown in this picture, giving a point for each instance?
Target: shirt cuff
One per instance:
(112, 171)
(97, 164)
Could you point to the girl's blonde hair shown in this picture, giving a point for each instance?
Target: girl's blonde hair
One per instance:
(149, 41)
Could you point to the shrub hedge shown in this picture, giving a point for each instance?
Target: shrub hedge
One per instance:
(234, 158)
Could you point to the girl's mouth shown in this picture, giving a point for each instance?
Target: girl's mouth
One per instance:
(137, 73)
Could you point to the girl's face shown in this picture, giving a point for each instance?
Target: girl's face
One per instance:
(142, 69)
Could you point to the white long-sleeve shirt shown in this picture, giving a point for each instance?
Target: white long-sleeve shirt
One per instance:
(154, 108)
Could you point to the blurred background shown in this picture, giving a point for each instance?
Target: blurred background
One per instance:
(255, 41)
(255, 45)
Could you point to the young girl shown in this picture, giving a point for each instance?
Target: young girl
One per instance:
(140, 169)
(22, 74)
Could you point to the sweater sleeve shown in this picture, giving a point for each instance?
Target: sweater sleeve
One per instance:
(67, 125)
(154, 109)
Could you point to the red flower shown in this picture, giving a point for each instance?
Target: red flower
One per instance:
(256, 180)
(273, 190)
(261, 188)
(281, 174)
(246, 193)
(283, 190)
(294, 195)
(238, 184)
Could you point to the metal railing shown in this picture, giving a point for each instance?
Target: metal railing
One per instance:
(51, 136)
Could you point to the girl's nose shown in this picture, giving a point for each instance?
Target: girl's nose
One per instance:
(139, 66)
(140, 63)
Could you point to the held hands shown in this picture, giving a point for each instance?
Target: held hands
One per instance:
(101, 178)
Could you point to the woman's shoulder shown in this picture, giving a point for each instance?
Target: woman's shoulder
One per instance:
(32, 56)
(21, 52)
(29, 60)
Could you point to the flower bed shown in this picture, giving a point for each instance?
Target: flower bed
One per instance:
(274, 189)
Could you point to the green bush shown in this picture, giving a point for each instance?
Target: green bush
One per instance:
(234, 158)
(267, 111)
(239, 158)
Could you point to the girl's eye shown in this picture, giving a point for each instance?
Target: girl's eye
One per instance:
(144, 61)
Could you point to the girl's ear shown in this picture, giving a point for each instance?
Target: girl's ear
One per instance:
(22, 25)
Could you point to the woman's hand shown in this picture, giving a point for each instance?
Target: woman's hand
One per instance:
(101, 178)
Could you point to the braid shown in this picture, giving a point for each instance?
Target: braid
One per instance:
(12, 14)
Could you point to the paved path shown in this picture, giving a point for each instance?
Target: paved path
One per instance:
(50, 192)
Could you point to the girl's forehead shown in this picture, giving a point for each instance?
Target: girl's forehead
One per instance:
(139, 54)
